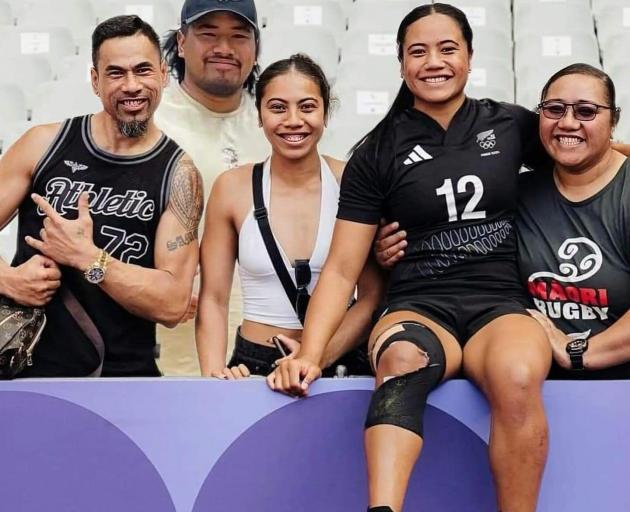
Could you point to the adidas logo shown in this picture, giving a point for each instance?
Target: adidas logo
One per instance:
(417, 155)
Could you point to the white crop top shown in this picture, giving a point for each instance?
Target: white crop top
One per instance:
(264, 298)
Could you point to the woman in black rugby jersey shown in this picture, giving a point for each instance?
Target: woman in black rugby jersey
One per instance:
(446, 168)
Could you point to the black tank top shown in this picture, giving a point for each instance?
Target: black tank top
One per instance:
(128, 195)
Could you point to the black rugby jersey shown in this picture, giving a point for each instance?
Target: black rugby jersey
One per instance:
(574, 257)
(127, 196)
(453, 191)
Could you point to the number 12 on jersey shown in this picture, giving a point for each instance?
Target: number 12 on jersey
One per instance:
(448, 192)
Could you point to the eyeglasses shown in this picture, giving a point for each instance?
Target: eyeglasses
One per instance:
(582, 111)
(302, 280)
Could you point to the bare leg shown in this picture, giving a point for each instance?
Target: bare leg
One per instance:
(509, 359)
(392, 451)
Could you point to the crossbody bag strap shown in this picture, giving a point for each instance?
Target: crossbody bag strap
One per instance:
(86, 324)
(262, 218)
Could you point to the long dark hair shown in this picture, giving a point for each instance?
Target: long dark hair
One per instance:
(177, 65)
(588, 70)
(304, 65)
(404, 98)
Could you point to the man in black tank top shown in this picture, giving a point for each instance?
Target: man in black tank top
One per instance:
(108, 210)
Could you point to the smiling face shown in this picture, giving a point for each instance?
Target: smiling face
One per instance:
(577, 146)
(292, 114)
(435, 62)
(129, 79)
(220, 53)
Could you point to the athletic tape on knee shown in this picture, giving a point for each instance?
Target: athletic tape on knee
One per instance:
(401, 400)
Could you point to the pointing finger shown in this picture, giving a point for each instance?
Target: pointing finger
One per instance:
(34, 243)
(44, 206)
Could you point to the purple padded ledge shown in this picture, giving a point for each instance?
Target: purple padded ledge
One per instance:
(197, 445)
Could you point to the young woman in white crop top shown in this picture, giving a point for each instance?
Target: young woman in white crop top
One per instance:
(300, 189)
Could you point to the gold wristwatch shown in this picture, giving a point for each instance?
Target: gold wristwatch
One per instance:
(95, 273)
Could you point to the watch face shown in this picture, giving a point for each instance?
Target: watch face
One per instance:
(578, 344)
(95, 275)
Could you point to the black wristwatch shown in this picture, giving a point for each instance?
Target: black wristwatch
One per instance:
(576, 349)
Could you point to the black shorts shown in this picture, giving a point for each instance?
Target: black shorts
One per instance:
(259, 358)
(461, 314)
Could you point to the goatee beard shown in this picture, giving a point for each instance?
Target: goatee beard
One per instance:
(133, 129)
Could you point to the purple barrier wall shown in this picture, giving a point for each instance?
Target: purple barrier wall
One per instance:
(196, 445)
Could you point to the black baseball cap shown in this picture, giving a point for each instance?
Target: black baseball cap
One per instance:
(195, 9)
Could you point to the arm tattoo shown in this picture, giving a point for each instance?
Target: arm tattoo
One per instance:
(186, 201)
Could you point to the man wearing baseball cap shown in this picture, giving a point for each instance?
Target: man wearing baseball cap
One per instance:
(209, 111)
(209, 108)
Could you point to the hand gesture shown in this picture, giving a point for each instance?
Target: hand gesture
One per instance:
(68, 242)
(389, 244)
(294, 376)
(34, 282)
(234, 373)
(557, 339)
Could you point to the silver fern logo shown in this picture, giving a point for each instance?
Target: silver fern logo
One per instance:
(578, 270)
(75, 166)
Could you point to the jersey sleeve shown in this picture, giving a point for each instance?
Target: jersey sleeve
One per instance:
(361, 194)
(534, 154)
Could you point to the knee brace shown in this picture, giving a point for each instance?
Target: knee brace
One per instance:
(401, 400)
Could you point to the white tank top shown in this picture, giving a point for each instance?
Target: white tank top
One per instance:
(264, 298)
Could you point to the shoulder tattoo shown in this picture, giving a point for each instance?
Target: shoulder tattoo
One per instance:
(186, 201)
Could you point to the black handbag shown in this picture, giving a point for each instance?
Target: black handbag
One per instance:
(20, 330)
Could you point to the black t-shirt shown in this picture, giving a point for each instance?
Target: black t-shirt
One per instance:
(453, 191)
(574, 257)
(128, 195)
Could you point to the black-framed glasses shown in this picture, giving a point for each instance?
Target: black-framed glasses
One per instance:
(302, 280)
(582, 111)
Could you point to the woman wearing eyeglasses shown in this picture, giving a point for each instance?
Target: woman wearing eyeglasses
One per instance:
(446, 167)
(574, 229)
(276, 219)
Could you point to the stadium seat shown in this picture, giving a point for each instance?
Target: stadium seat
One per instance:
(316, 42)
(60, 100)
(383, 72)
(362, 43)
(485, 14)
(53, 42)
(490, 78)
(612, 21)
(552, 18)
(361, 104)
(320, 13)
(74, 67)
(77, 16)
(495, 44)
(612, 34)
(6, 14)
(546, 52)
(599, 5)
(338, 139)
(518, 6)
(25, 70)
(12, 104)
(160, 14)
(378, 15)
